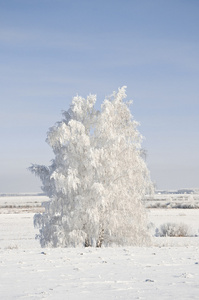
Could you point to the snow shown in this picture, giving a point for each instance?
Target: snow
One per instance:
(112, 273)
(169, 269)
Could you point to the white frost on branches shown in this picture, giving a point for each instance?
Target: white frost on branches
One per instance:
(97, 179)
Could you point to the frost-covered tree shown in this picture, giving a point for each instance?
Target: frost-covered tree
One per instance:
(97, 179)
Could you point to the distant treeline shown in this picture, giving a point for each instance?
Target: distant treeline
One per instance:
(21, 194)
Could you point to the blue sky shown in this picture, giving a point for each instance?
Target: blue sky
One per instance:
(51, 50)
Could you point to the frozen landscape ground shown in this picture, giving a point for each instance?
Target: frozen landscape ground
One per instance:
(169, 269)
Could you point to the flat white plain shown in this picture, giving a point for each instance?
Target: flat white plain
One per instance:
(169, 269)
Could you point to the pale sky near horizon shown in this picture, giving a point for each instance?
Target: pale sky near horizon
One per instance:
(50, 50)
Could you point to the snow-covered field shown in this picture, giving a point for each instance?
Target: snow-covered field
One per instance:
(169, 269)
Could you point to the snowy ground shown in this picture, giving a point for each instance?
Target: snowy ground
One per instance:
(169, 269)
